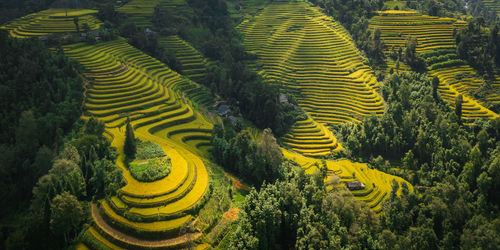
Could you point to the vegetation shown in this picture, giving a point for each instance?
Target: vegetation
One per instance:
(254, 159)
(82, 171)
(151, 169)
(298, 212)
(129, 147)
(480, 48)
(40, 100)
(147, 150)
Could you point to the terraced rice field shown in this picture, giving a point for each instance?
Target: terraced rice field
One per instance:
(192, 61)
(141, 11)
(378, 185)
(51, 21)
(127, 83)
(314, 57)
(435, 34)
(493, 5)
(311, 138)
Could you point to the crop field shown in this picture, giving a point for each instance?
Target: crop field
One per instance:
(378, 185)
(311, 138)
(141, 11)
(124, 82)
(492, 5)
(314, 57)
(52, 21)
(193, 64)
(435, 42)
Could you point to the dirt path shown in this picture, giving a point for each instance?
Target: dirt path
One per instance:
(133, 241)
(237, 183)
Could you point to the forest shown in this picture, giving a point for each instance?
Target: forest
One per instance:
(250, 124)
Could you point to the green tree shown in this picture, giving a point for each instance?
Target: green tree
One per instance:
(27, 134)
(64, 176)
(458, 106)
(66, 215)
(43, 161)
(94, 127)
(129, 147)
(435, 86)
(423, 238)
(77, 25)
(70, 153)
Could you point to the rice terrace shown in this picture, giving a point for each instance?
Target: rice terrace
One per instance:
(250, 124)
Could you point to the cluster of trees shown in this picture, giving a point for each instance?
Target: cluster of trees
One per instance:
(50, 165)
(297, 212)
(40, 99)
(479, 46)
(410, 56)
(83, 171)
(11, 9)
(449, 8)
(255, 160)
(354, 16)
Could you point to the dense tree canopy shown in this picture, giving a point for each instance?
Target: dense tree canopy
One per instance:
(40, 99)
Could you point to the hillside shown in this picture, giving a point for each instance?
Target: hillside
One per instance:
(52, 21)
(330, 82)
(148, 93)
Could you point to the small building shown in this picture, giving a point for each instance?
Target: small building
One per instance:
(355, 185)
(83, 35)
(223, 110)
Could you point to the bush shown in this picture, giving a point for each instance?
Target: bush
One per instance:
(150, 170)
(147, 150)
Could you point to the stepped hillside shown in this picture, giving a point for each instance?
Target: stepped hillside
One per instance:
(141, 11)
(436, 44)
(378, 185)
(314, 57)
(52, 21)
(492, 5)
(193, 64)
(311, 138)
(124, 82)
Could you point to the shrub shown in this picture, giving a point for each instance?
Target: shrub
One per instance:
(150, 170)
(147, 150)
